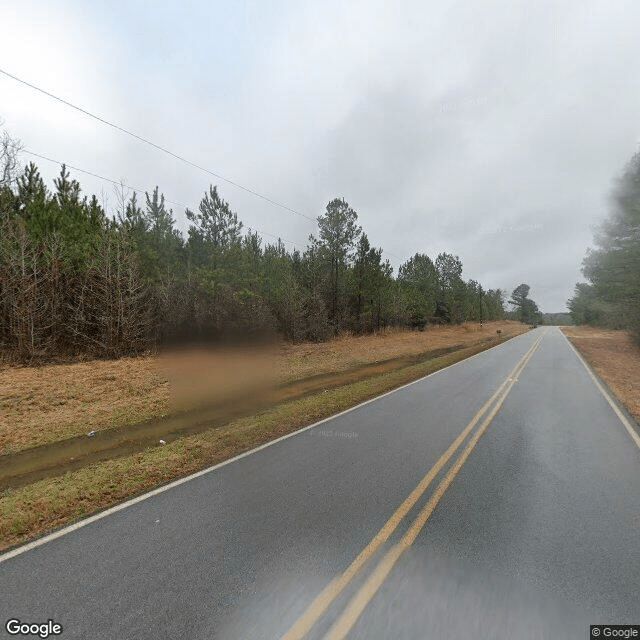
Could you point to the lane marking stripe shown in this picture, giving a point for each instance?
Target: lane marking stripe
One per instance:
(322, 602)
(356, 606)
(166, 487)
(627, 425)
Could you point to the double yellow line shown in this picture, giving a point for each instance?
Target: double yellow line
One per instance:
(358, 603)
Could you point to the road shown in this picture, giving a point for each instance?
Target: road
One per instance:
(497, 498)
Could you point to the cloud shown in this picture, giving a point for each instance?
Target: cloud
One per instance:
(492, 131)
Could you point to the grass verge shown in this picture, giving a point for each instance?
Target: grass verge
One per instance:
(615, 358)
(46, 404)
(38, 508)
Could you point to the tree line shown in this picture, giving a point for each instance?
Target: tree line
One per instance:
(76, 281)
(611, 296)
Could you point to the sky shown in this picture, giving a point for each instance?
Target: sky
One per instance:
(493, 130)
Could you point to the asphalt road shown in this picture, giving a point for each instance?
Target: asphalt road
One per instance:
(532, 533)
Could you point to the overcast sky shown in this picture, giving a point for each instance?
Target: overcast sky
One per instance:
(491, 130)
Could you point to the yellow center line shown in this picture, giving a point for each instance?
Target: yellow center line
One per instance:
(359, 602)
(322, 602)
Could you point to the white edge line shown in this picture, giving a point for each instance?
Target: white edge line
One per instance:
(627, 425)
(154, 492)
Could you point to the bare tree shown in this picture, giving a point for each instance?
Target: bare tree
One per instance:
(9, 150)
(121, 194)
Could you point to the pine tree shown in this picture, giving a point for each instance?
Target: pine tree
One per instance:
(33, 204)
(419, 277)
(215, 230)
(164, 243)
(339, 233)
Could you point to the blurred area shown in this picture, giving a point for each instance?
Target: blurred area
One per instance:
(429, 594)
(199, 374)
(51, 402)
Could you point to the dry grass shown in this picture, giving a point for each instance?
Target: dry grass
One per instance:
(42, 506)
(615, 358)
(347, 351)
(39, 405)
(52, 402)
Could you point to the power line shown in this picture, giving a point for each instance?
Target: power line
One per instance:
(168, 152)
(157, 146)
(119, 183)
(392, 255)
